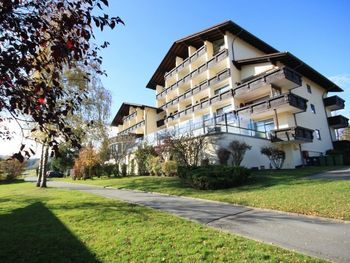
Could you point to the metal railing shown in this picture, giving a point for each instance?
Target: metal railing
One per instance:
(217, 58)
(201, 51)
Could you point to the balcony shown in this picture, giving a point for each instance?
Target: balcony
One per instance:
(202, 68)
(132, 128)
(334, 103)
(160, 123)
(200, 52)
(129, 117)
(257, 87)
(284, 103)
(202, 86)
(293, 134)
(338, 122)
(204, 104)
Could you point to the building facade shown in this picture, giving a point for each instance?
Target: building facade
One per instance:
(224, 81)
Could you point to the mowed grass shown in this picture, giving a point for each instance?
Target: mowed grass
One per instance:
(50, 225)
(284, 190)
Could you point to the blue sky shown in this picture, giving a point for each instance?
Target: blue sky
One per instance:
(318, 32)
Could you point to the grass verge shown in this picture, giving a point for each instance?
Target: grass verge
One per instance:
(50, 225)
(284, 190)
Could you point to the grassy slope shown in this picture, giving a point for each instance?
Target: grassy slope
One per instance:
(286, 190)
(49, 225)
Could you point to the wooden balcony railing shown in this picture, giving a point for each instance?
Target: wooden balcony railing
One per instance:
(201, 51)
(269, 78)
(334, 103)
(293, 134)
(275, 102)
(338, 121)
(219, 57)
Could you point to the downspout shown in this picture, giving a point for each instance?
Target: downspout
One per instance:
(232, 48)
(325, 113)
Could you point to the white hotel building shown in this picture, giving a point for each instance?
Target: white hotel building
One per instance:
(225, 81)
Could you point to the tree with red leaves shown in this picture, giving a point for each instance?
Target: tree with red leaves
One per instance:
(38, 39)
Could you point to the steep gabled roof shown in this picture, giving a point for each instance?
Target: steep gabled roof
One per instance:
(296, 64)
(124, 111)
(180, 47)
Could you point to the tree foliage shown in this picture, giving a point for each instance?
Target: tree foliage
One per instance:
(11, 169)
(186, 149)
(223, 155)
(275, 155)
(237, 150)
(38, 40)
(84, 164)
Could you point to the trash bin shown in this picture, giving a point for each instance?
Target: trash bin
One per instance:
(329, 160)
(322, 160)
(338, 159)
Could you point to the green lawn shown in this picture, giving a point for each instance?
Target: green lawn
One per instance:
(286, 190)
(50, 225)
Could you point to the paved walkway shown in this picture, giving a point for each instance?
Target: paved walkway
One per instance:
(342, 174)
(322, 238)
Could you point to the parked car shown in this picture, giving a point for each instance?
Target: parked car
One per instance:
(51, 174)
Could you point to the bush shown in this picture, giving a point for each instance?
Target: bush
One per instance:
(132, 167)
(223, 156)
(215, 177)
(275, 155)
(11, 169)
(169, 168)
(205, 162)
(124, 169)
(154, 165)
(238, 150)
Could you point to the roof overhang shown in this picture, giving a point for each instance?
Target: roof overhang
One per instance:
(180, 47)
(296, 64)
(124, 111)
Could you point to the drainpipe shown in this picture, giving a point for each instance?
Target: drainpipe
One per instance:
(325, 113)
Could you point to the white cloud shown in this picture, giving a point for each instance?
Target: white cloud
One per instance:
(343, 80)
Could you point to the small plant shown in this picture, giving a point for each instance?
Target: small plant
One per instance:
(275, 155)
(169, 168)
(223, 155)
(237, 150)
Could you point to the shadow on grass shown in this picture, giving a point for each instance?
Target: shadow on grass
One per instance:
(34, 234)
(16, 181)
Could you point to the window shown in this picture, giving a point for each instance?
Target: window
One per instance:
(313, 108)
(318, 134)
(218, 45)
(308, 87)
(224, 109)
(221, 90)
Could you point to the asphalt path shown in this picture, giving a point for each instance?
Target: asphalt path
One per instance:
(322, 238)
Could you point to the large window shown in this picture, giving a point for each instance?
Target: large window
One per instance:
(221, 90)
(224, 109)
(265, 125)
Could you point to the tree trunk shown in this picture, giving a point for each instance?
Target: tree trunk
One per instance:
(44, 168)
(38, 181)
